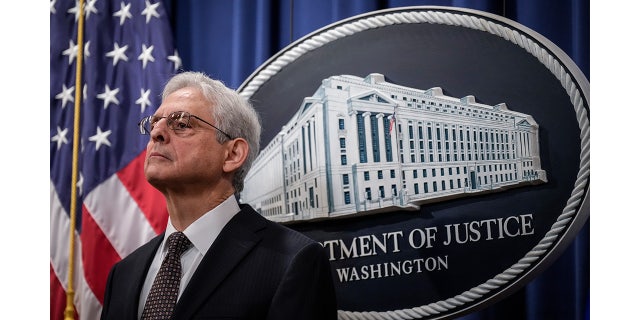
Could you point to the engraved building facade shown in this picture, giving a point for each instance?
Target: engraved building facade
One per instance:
(364, 145)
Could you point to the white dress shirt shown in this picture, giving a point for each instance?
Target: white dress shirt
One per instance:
(201, 233)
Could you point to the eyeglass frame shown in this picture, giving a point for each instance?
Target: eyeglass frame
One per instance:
(147, 119)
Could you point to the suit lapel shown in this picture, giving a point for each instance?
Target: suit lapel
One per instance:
(139, 265)
(235, 241)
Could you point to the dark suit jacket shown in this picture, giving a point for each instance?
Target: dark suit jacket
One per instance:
(255, 269)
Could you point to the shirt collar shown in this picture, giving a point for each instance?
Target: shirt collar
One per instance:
(204, 231)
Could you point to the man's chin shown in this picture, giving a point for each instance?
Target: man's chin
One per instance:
(156, 181)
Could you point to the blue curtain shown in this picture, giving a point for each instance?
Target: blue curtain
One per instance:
(231, 39)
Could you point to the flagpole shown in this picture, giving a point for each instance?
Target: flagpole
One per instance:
(69, 312)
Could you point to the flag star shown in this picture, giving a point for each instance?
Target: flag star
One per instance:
(90, 8)
(144, 101)
(60, 137)
(65, 95)
(72, 51)
(109, 96)
(52, 6)
(146, 56)
(118, 53)
(101, 138)
(175, 58)
(123, 13)
(75, 10)
(86, 49)
(150, 10)
(80, 183)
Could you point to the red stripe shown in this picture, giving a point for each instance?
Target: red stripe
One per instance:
(98, 255)
(148, 198)
(58, 297)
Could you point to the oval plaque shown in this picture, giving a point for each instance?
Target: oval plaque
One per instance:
(440, 155)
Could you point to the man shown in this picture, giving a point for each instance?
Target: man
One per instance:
(237, 264)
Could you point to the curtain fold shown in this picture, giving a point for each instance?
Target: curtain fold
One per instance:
(231, 39)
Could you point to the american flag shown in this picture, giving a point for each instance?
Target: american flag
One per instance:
(128, 55)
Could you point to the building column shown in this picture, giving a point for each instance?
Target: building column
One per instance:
(366, 117)
(308, 148)
(312, 143)
(381, 133)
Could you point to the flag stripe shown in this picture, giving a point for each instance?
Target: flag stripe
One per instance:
(84, 298)
(118, 216)
(98, 255)
(149, 199)
(58, 297)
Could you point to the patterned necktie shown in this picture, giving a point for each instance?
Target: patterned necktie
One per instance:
(164, 291)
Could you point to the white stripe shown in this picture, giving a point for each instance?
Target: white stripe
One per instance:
(118, 215)
(87, 305)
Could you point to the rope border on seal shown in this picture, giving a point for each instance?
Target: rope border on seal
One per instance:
(472, 22)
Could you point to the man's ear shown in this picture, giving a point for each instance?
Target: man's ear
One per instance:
(237, 151)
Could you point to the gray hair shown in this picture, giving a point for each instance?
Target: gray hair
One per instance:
(232, 113)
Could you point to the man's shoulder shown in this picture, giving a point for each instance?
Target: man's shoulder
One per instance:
(144, 251)
(278, 231)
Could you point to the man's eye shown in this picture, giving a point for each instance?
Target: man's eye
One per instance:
(182, 124)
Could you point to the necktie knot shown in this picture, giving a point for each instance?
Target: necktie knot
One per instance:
(178, 243)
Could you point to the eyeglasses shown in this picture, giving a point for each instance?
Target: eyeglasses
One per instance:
(176, 121)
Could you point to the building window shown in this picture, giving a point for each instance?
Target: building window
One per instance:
(381, 191)
(366, 176)
(424, 173)
(426, 187)
(343, 143)
(380, 174)
(415, 174)
(347, 197)
(367, 193)
(415, 188)
(343, 159)
(341, 124)
(345, 179)
(392, 173)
